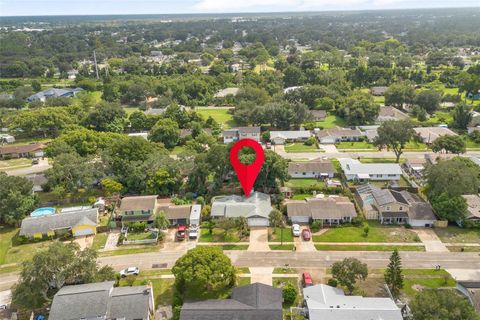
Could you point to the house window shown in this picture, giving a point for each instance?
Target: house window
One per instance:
(388, 208)
(379, 175)
(400, 208)
(304, 173)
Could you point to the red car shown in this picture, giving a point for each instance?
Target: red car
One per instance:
(307, 280)
(306, 234)
(181, 233)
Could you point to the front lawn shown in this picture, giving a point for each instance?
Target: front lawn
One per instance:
(220, 115)
(328, 247)
(120, 252)
(177, 150)
(454, 234)
(278, 236)
(140, 236)
(19, 253)
(229, 246)
(416, 280)
(14, 164)
(99, 241)
(219, 235)
(305, 183)
(162, 288)
(355, 145)
(300, 147)
(288, 247)
(377, 233)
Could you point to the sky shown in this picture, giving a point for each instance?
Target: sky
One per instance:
(95, 7)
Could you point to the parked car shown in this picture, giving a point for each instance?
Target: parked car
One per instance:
(296, 230)
(35, 161)
(307, 280)
(269, 145)
(3, 307)
(129, 271)
(181, 233)
(193, 232)
(306, 234)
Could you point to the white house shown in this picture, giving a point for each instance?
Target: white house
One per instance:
(355, 170)
(329, 211)
(235, 134)
(328, 303)
(255, 208)
(280, 137)
(318, 168)
(335, 135)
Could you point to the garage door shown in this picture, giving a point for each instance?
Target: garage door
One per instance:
(300, 219)
(258, 222)
(83, 232)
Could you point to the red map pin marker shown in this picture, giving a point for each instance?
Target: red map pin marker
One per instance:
(247, 173)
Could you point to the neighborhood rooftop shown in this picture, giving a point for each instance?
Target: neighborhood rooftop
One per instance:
(138, 203)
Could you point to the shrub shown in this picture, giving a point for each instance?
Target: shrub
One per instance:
(332, 282)
(289, 293)
(315, 226)
(200, 200)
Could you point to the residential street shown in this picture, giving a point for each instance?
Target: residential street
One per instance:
(42, 166)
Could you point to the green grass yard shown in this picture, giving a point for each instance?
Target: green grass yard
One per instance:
(301, 196)
(278, 235)
(454, 234)
(130, 110)
(465, 249)
(10, 254)
(219, 235)
(220, 115)
(162, 288)
(300, 147)
(14, 164)
(355, 145)
(124, 251)
(228, 246)
(326, 247)
(99, 241)
(378, 233)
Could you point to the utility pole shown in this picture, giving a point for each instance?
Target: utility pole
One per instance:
(95, 61)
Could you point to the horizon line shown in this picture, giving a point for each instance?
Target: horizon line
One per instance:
(239, 13)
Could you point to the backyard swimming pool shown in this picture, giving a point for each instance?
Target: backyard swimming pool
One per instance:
(42, 212)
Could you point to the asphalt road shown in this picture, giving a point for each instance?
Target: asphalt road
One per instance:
(38, 168)
(421, 260)
(457, 260)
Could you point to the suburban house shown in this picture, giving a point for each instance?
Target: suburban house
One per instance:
(143, 135)
(471, 290)
(473, 207)
(318, 115)
(416, 166)
(378, 91)
(6, 138)
(182, 214)
(188, 132)
(397, 207)
(355, 170)
(335, 135)
(329, 211)
(429, 134)
(291, 89)
(102, 300)
(256, 208)
(324, 302)
(235, 134)
(252, 302)
(474, 122)
(318, 168)
(390, 113)
(78, 221)
(226, 92)
(139, 208)
(22, 151)
(54, 92)
(281, 137)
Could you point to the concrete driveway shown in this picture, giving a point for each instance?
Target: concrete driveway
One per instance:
(465, 274)
(259, 239)
(112, 241)
(84, 242)
(261, 275)
(171, 243)
(431, 240)
(304, 246)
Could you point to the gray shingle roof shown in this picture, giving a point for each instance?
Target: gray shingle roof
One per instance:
(252, 302)
(320, 166)
(54, 92)
(138, 203)
(322, 208)
(43, 224)
(102, 300)
(256, 205)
